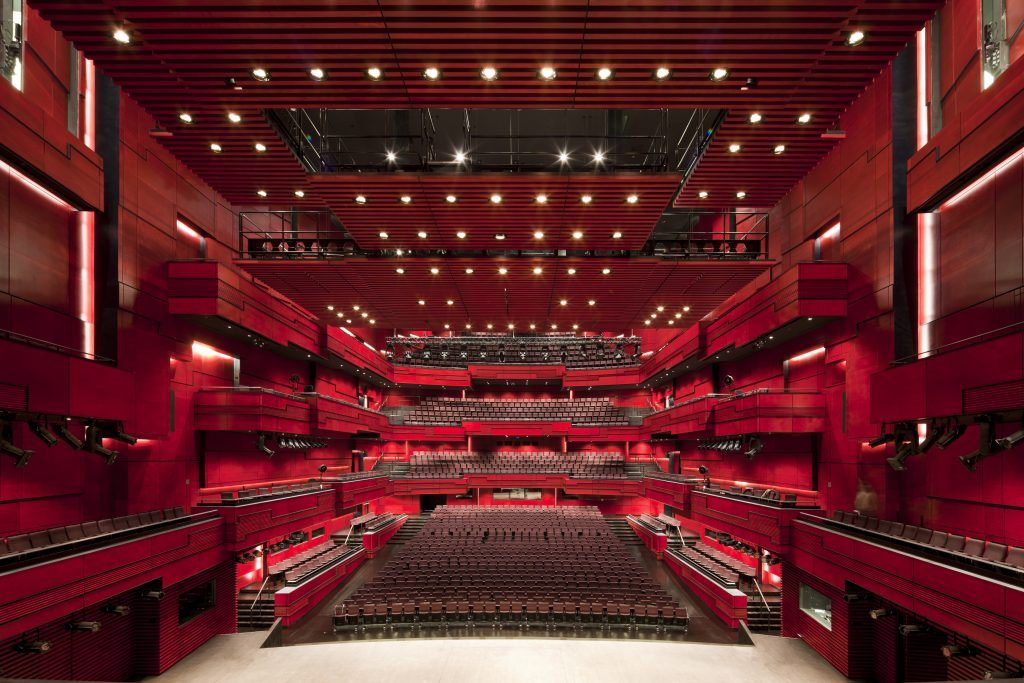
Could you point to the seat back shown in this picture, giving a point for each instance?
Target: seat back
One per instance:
(955, 543)
(105, 526)
(19, 543)
(1015, 557)
(939, 539)
(923, 535)
(910, 532)
(39, 539)
(974, 547)
(995, 552)
(58, 535)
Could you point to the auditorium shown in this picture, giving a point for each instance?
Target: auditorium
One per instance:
(578, 340)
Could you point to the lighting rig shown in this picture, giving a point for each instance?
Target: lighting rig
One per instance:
(52, 429)
(942, 434)
(749, 444)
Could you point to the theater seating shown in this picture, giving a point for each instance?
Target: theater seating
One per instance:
(455, 411)
(720, 566)
(307, 563)
(568, 350)
(61, 535)
(996, 553)
(526, 566)
(457, 464)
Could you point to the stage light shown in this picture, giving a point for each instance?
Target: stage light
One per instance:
(754, 446)
(950, 435)
(21, 456)
(391, 157)
(261, 446)
(119, 435)
(43, 433)
(374, 73)
(185, 117)
(971, 460)
(317, 74)
(548, 73)
(359, 199)
(598, 157)
(949, 651)
(70, 439)
(86, 626)
(383, 235)
(260, 74)
(94, 444)
(538, 270)
(662, 73)
(422, 302)
(495, 199)
(881, 440)
(779, 149)
(469, 271)
(489, 73)
(933, 436)
(541, 199)
(741, 194)
(261, 193)
(153, 595)
(119, 610)
(34, 646)
(300, 194)
(755, 118)
(586, 199)
(606, 271)
(1008, 442)
(538, 235)
(734, 148)
(803, 118)
(855, 38)
(435, 271)
(431, 73)
(215, 148)
(563, 302)
(234, 118)
(632, 199)
(571, 271)
(502, 270)
(564, 157)
(451, 199)
(703, 194)
(880, 613)
(460, 157)
(719, 74)
(260, 147)
(604, 73)
(122, 36)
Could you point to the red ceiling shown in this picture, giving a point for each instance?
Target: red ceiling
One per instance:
(517, 217)
(623, 299)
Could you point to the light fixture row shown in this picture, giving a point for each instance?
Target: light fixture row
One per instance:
(500, 236)
(349, 317)
(362, 199)
(704, 194)
(502, 270)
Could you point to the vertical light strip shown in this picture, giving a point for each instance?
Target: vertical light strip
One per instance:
(922, 88)
(927, 289)
(89, 134)
(87, 280)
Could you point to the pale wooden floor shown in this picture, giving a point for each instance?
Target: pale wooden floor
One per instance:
(237, 657)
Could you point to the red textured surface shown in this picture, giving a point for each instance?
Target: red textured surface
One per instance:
(765, 525)
(294, 602)
(729, 605)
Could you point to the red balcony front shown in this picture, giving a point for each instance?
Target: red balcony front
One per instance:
(689, 417)
(251, 409)
(765, 411)
(764, 524)
(334, 416)
(250, 524)
(356, 491)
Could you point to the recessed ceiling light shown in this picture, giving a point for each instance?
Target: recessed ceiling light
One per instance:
(383, 235)
(563, 302)
(741, 194)
(262, 193)
(499, 236)
(121, 36)
(422, 234)
(469, 271)
(662, 73)
(511, 326)
(447, 326)
(421, 302)
(450, 302)
(405, 199)
(374, 73)
(391, 157)
(541, 199)
(431, 73)
(660, 309)
(532, 326)
(591, 303)
(348, 320)
(355, 308)
(185, 117)
(214, 147)
(616, 235)
(575, 326)
(548, 73)
(719, 74)
(604, 73)
(755, 118)
(469, 326)
(577, 234)
(260, 147)
(434, 271)
(703, 194)
(502, 271)
(679, 315)
(340, 314)
(330, 308)
(779, 149)
(365, 314)
(489, 73)
(300, 194)
(538, 235)
(606, 271)
(260, 74)
(598, 157)
(686, 309)
(855, 38)
(538, 270)
(234, 117)
(571, 271)
(804, 118)
(372, 321)
(490, 326)
(564, 157)
(400, 271)
(632, 199)
(359, 199)
(586, 199)
(461, 234)
(554, 326)
(671, 322)
(734, 148)
(317, 74)
(647, 322)
(653, 316)
(495, 199)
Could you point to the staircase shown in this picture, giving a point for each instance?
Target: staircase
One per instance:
(355, 539)
(620, 527)
(261, 616)
(391, 468)
(411, 527)
(759, 618)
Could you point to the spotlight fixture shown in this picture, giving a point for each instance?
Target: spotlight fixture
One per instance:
(461, 234)
(119, 610)
(495, 198)
(359, 199)
(383, 235)
(435, 271)
(662, 73)
(933, 436)
(778, 149)
(234, 117)
(260, 147)
(70, 439)
(563, 302)
(880, 613)
(741, 194)
(121, 36)
(949, 651)
(391, 157)
(881, 440)
(719, 74)
(374, 73)
(734, 148)
(538, 235)
(564, 158)
(755, 118)
(87, 626)
(571, 271)
(261, 446)
(617, 235)
(952, 433)
(35, 646)
(300, 194)
(261, 193)
(754, 446)
(317, 74)
(538, 270)
(422, 234)
(586, 199)
(119, 434)
(451, 199)
(576, 235)
(502, 271)
(632, 199)
(489, 73)
(260, 74)
(469, 271)
(1008, 442)
(606, 271)
(43, 433)
(153, 595)
(541, 199)
(400, 271)
(215, 148)
(591, 302)
(598, 157)
(855, 38)
(604, 73)
(20, 455)
(185, 117)
(803, 118)
(94, 444)
(703, 194)
(547, 73)
(460, 157)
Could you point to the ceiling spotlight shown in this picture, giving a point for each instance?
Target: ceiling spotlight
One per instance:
(548, 73)
(741, 194)
(855, 38)
(576, 235)
(450, 302)
(317, 74)
(215, 148)
(538, 235)
(755, 118)
(422, 234)
(679, 315)
(598, 157)
(434, 271)
(372, 321)
(604, 73)
(591, 302)
(121, 36)
(606, 271)
(262, 193)
(632, 199)
(460, 157)
(260, 74)
(660, 309)
(359, 199)
(383, 235)
(703, 194)
(532, 326)
(653, 316)
(541, 199)
(616, 235)
(260, 147)
(511, 326)
(662, 73)
(575, 326)
(300, 194)
(469, 271)
(400, 271)
(185, 117)
(563, 302)
(431, 73)
(451, 199)
(571, 271)
(564, 157)
(461, 235)
(554, 326)
(234, 117)
(365, 314)
(804, 118)
(779, 149)
(586, 199)
(490, 326)
(421, 302)
(734, 148)
(355, 308)
(502, 271)
(495, 199)
(405, 199)
(538, 270)
(391, 157)
(686, 309)
(374, 73)
(499, 236)
(719, 74)
(489, 73)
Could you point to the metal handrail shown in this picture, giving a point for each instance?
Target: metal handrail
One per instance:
(763, 599)
(258, 594)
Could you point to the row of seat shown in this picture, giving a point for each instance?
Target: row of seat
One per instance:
(574, 352)
(455, 411)
(74, 532)
(998, 553)
(456, 464)
(310, 566)
(274, 491)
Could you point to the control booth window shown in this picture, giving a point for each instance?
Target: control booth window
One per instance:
(11, 42)
(816, 605)
(195, 601)
(1001, 24)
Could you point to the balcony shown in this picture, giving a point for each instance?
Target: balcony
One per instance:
(334, 416)
(689, 417)
(248, 524)
(358, 488)
(763, 523)
(251, 409)
(770, 410)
